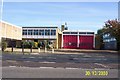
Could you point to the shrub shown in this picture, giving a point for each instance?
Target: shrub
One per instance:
(4, 46)
(47, 46)
(41, 44)
(26, 44)
(35, 44)
(30, 44)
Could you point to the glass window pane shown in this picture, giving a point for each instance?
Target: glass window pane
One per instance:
(35, 32)
(90, 32)
(24, 32)
(82, 32)
(47, 32)
(53, 32)
(30, 32)
(41, 32)
(73, 32)
(66, 32)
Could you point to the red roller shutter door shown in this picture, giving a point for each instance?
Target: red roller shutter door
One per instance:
(70, 41)
(86, 42)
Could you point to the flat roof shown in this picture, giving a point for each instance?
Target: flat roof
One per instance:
(39, 27)
(78, 31)
(11, 24)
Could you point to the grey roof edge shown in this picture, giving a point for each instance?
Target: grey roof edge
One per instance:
(38, 27)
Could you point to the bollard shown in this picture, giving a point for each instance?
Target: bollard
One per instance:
(52, 50)
(31, 50)
(45, 49)
(39, 50)
(12, 48)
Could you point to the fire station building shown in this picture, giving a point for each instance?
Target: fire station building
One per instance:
(78, 39)
(63, 38)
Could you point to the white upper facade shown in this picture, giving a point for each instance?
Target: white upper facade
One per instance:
(39, 32)
(10, 31)
(77, 32)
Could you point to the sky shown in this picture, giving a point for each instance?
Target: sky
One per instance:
(77, 15)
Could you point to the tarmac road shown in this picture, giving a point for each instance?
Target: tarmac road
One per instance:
(81, 60)
(59, 65)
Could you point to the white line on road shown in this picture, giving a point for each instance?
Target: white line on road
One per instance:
(46, 67)
(71, 68)
(47, 62)
(101, 65)
(12, 66)
(10, 61)
(87, 56)
(27, 61)
(31, 57)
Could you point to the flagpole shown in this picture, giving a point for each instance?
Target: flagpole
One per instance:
(1, 11)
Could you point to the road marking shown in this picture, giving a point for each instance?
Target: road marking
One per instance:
(10, 61)
(71, 68)
(12, 66)
(47, 62)
(31, 57)
(75, 58)
(101, 65)
(101, 69)
(46, 67)
(87, 56)
(27, 61)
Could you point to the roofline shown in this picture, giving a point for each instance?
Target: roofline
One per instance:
(10, 24)
(39, 27)
(77, 31)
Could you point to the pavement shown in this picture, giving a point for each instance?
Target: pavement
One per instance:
(62, 51)
(45, 72)
(85, 51)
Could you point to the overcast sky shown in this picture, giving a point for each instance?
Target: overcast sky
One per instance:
(77, 15)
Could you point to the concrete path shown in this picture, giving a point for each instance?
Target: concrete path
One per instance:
(62, 51)
(45, 72)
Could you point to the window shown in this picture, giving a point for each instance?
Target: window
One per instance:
(53, 32)
(82, 32)
(66, 32)
(41, 32)
(35, 32)
(73, 32)
(47, 32)
(30, 32)
(90, 32)
(24, 32)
